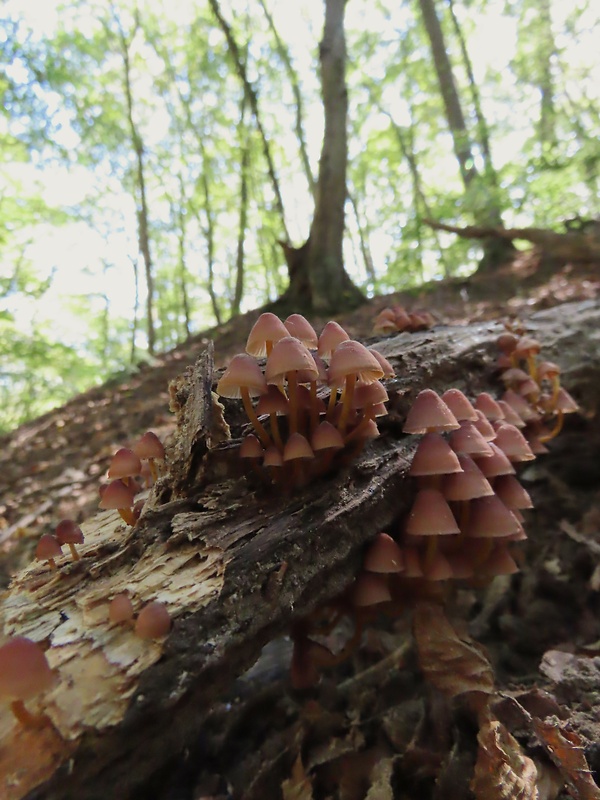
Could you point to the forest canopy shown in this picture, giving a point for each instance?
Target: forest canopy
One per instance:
(155, 154)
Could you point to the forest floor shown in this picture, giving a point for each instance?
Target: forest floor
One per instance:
(51, 467)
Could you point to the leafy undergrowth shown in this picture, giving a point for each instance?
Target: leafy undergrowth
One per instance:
(513, 720)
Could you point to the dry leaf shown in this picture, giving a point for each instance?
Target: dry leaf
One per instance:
(502, 771)
(298, 785)
(565, 748)
(452, 665)
(381, 780)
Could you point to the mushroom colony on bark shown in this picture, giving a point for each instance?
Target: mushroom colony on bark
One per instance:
(397, 319)
(318, 398)
(312, 403)
(466, 520)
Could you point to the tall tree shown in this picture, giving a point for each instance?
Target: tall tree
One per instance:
(485, 207)
(125, 41)
(318, 279)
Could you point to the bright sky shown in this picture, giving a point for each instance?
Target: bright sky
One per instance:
(78, 252)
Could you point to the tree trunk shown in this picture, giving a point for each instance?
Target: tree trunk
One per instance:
(235, 564)
(284, 55)
(140, 197)
(179, 208)
(243, 217)
(252, 97)
(485, 207)
(317, 268)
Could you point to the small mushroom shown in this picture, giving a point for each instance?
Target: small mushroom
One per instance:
(428, 414)
(150, 448)
(120, 609)
(124, 465)
(24, 673)
(117, 495)
(68, 532)
(48, 549)
(153, 622)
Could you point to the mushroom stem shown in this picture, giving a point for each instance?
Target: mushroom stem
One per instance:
(293, 399)
(485, 553)
(332, 402)
(349, 384)
(429, 554)
(251, 414)
(555, 430)
(25, 717)
(127, 515)
(555, 388)
(531, 365)
(153, 470)
(74, 553)
(275, 431)
(314, 411)
(362, 425)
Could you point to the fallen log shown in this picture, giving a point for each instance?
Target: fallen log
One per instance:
(211, 546)
(570, 246)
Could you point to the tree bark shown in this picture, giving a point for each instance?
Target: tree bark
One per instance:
(485, 208)
(284, 55)
(235, 564)
(252, 97)
(238, 292)
(317, 268)
(140, 195)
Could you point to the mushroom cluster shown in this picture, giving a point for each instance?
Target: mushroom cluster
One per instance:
(467, 510)
(153, 621)
(463, 523)
(397, 318)
(318, 397)
(126, 467)
(532, 388)
(49, 547)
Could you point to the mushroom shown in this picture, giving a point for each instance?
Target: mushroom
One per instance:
(48, 549)
(429, 414)
(469, 440)
(243, 378)
(433, 458)
(299, 327)
(430, 516)
(68, 532)
(150, 448)
(120, 609)
(370, 589)
(351, 362)
(459, 405)
(384, 555)
(153, 622)
(267, 330)
(24, 673)
(288, 357)
(124, 465)
(117, 495)
(273, 403)
(331, 336)
(485, 403)
(512, 442)
(296, 450)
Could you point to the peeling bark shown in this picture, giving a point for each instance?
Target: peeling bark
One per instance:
(207, 545)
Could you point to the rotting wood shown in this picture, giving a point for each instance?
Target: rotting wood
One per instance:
(121, 707)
